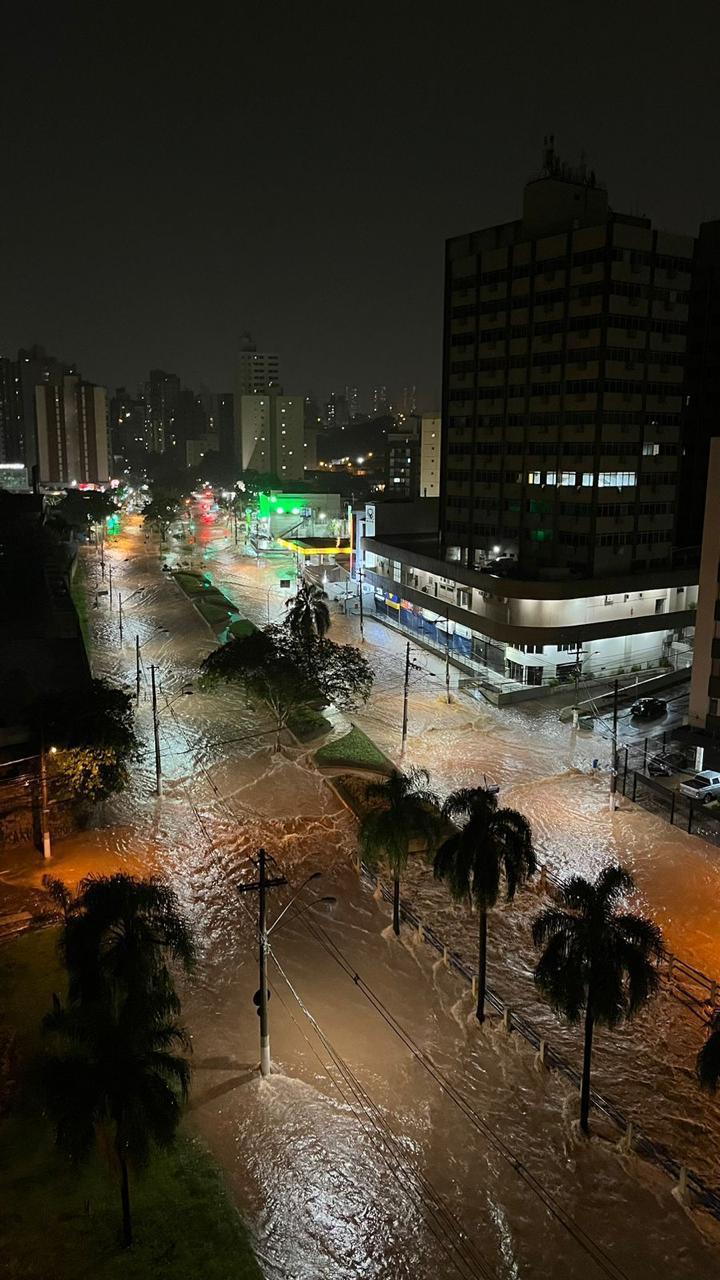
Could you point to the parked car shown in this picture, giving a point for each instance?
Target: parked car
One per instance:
(663, 766)
(704, 786)
(648, 708)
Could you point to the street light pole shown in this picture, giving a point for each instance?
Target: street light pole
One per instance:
(120, 616)
(405, 700)
(362, 616)
(156, 733)
(137, 670)
(110, 583)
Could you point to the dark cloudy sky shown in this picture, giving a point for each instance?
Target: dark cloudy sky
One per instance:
(295, 168)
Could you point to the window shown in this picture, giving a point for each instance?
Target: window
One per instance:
(463, 598)
(588, 477)
(533, 477)
(650, 450)
(616, 479)
(567, 477)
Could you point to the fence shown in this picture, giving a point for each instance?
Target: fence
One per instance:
(634, 1138)
(634, 762)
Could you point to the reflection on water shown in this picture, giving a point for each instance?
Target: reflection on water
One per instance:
(328, 1190)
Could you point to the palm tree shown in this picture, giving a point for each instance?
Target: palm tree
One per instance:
(596, 958)
(492, 843)
(308, 616)
(708, 1059)
(115, 1062)
(405, 809)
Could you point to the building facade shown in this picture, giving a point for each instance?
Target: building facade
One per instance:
(256, 370)
(72, 432)
(704, 709)
(270, 434)
(162, 404)
(564, 357)
(430, 446)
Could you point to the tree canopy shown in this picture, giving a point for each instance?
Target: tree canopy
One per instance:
(91, 738)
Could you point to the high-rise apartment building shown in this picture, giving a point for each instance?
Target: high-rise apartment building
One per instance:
(256, 370)
(704, 709)
(409, 399)
(162, 403)
(34, 367)
(269, 434)
(565, 340)
(430, 440)
(222, 422)
(402, 459)
(352, 396)
(72, 432)
(127, 423)
(379, 402)
(336, 410)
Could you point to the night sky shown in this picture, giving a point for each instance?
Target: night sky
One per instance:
(294, 169)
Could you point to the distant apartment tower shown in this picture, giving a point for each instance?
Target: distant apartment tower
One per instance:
(379, 402)
(127, 423)
(72, 432)
(33, 367)
(352, 397)
(269, 433)
(222, 422)
(402, 460)
(704, 709)
(162, 403)
(409, 399)
(565, 338)
(430, 438)
(336, 410)
(256, 370)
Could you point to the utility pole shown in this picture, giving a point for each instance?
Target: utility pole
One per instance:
(120, 615)
(408, 666)
(362, 616)
(576, 709)
(102, 552)
(45, 806)
(447, 651)
(262, 884)
(137, 670)
(110, 583)
(613, 774)
(156, 733)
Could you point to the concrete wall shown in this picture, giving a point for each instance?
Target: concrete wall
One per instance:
(707, 627)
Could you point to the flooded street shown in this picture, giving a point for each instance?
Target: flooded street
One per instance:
(395, 1138)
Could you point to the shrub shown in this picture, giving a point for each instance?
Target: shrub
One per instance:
(354, 748)
(242, 627)
(307, 723)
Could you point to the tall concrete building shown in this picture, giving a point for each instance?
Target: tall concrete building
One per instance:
(352, 396)
(33, 367)
(222, 422)
(379, 402)
(127, 423)
(72, 432)
(162, 404)
(256, 370)
(430, 442)
(269, 433)
(565, 339)
(704, 709)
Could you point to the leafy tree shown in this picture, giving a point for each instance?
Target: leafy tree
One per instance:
(80, 508)
(93, 736)
(308, 616)
(491, 845)
(596, 958)
(260, 482)
(289, 674)
(114, 1070)
(404, 809)
(267, 670)
(163, 507)
(708, 1059)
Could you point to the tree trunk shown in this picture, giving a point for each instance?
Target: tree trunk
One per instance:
(396, 906)
(585, 1086)
(125, 1195)
(482, 962)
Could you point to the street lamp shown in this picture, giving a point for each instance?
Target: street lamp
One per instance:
(261, 885)
(185, 692)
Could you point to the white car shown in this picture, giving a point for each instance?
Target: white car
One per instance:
(703, 786)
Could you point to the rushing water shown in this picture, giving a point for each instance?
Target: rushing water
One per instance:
(382, 1170)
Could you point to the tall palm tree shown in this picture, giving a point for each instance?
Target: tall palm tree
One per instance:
(115, 1040)
(405, 809)
(596, 957)
(491, 845)
(708, 1059)
(308, 616)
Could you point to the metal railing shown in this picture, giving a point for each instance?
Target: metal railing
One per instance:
(635, 1139)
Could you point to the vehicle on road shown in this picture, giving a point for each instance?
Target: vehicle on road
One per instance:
(664, 765)
(704, 786)
(648, 709)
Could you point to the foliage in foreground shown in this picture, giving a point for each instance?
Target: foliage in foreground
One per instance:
(117, 1073)
(93, 734)
(407, 811)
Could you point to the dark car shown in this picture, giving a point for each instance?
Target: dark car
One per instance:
(648, 708)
